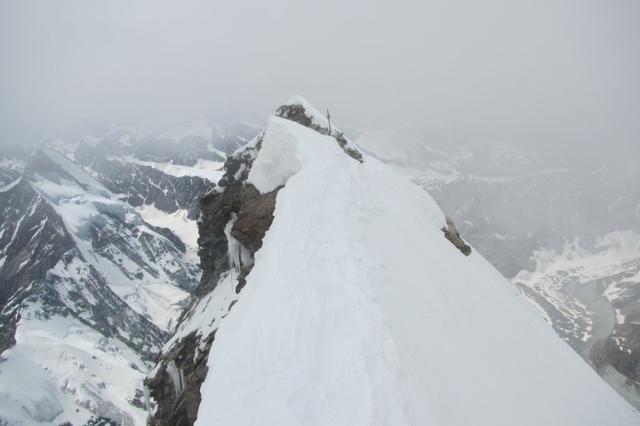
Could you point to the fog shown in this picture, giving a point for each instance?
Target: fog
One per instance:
(543, 73)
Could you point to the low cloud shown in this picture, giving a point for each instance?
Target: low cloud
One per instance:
(529, 72)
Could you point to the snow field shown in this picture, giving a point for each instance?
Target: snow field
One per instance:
(359, 312)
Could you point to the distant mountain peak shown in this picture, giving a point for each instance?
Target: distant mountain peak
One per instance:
(199, 128)
(54, 166)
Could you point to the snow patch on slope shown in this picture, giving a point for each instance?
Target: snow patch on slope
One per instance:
(205, 316)
(177, 222)
(76, 173)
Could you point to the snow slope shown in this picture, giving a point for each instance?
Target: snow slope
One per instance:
(63, 370)
(359, 312)
(141, 266)
(177, 222)
(563, 229)
(89, 292)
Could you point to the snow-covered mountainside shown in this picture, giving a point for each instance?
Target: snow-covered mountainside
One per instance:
(89, 291)
(161, 170)
(331, 295)
(565, 232)
(337, 283)
(592, 298)
(98, 259)
(11, 166)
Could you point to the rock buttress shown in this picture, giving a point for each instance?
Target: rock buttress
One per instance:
(251, 215)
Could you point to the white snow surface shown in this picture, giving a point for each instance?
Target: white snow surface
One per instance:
(61, 370)
(359, 312)
(277, 162)
(177, 222)
(205, 316)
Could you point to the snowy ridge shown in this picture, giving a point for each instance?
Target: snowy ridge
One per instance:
(358, 311)
(73, 172)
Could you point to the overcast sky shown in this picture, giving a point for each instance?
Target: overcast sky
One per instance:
(549, 72)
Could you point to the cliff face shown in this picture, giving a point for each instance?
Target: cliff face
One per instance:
(234, 219)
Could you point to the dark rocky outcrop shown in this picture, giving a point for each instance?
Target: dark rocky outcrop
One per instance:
(182, 409)
(25, 215)
(254, 217)
(451, 233)
(232, 197)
